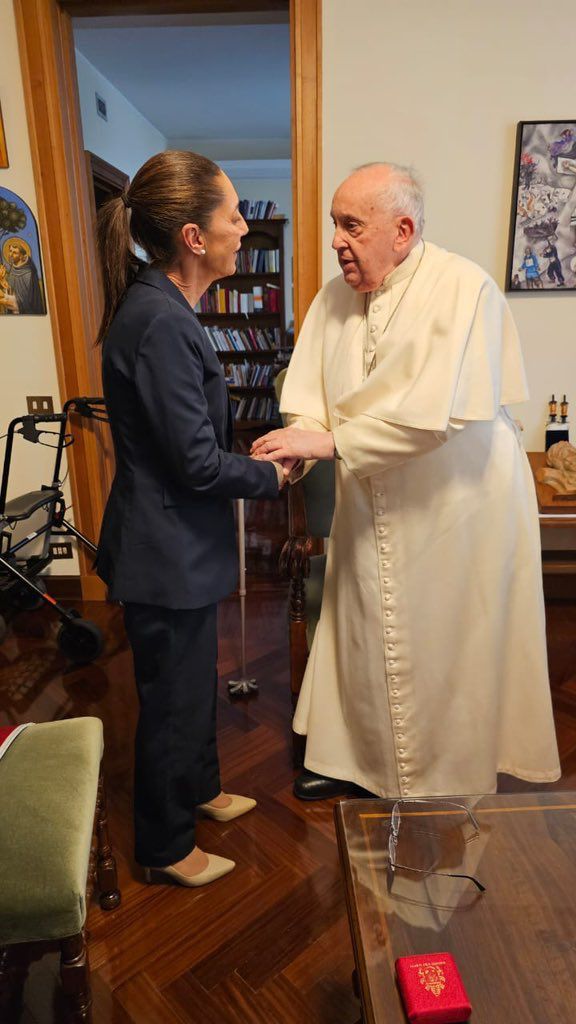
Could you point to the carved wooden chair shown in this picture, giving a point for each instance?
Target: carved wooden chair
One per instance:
(303, 562)
(53, 842)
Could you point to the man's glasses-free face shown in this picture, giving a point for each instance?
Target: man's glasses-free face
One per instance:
(469, 824)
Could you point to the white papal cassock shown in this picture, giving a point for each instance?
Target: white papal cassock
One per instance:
(428, 671)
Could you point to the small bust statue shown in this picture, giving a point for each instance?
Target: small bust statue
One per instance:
(560, 473)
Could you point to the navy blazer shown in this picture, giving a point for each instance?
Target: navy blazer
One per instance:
(168, 534)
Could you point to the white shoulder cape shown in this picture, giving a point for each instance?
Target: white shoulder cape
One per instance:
(452, 350)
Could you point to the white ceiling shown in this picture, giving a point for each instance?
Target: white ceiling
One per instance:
(205, 81)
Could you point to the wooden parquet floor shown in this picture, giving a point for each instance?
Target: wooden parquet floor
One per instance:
(270, 942)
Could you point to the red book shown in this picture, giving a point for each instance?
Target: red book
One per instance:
(432, 989)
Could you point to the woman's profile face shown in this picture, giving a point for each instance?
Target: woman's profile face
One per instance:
(224, 233)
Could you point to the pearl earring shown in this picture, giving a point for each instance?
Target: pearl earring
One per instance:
(202, 252)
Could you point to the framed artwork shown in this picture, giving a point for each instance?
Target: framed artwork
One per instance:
(21, 280)
(3, 149)
(542, 245)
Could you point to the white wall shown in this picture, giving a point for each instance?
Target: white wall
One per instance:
(28, 364)
(441, 85)
(126, 140)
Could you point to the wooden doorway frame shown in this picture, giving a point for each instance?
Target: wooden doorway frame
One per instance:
(65, 208)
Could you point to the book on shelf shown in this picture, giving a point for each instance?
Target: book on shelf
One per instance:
(244, 339)
(220, 299)
(255, 408)
(258, 261)
(250, 375)
(257, 209)
(273, 298)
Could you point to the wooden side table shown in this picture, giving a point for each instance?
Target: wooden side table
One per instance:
(554, 513)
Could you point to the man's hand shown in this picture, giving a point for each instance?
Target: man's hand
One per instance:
(292, 443)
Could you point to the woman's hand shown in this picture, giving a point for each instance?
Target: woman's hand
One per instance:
(288, 465)
(283, 467)
(292, 443)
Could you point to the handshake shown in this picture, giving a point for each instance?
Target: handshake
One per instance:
(289, 445)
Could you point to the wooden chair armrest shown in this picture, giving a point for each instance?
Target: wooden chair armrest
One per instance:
(297, 523)
(295, 566)
(295, 557)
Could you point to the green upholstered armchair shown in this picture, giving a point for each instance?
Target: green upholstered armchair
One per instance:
(52, 802)
(303, 562)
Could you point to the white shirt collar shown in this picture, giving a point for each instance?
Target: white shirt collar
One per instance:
(403, 270)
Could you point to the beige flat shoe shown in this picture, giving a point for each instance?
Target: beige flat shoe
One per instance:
(238, 805)
(217, 868)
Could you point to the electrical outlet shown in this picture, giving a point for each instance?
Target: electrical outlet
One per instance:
(61, 549)
(38, 404)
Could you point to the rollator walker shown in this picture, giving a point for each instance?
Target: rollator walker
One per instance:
(21, 586)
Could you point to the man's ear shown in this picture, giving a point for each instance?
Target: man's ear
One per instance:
(193, 238)
(405, 232)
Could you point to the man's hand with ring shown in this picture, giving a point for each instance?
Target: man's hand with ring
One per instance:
(292, 443)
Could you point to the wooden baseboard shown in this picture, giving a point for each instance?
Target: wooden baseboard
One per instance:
(76, 588)
(261, 585)
(64, 588)
(560, 587)
(90, 587)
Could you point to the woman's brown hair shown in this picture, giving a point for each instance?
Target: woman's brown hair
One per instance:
(171, 189)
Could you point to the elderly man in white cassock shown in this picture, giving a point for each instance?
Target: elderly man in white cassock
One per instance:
(428, 671)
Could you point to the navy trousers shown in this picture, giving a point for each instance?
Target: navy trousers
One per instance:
(176, 764)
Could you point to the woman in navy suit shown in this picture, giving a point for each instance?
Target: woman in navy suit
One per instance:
(167, 546)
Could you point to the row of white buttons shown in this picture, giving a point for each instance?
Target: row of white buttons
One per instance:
(391, 644)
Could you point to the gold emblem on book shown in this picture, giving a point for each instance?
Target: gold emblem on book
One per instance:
(432, 977)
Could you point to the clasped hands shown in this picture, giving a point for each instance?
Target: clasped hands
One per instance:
(290, 445)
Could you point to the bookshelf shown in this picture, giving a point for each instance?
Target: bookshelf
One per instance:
(245, 319)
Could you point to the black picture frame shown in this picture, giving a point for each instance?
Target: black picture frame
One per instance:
(542, 239)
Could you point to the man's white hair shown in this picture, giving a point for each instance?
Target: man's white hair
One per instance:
(403, 192)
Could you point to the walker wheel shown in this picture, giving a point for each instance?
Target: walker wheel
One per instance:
(80, 641)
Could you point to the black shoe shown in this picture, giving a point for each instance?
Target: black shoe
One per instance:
(310, 786)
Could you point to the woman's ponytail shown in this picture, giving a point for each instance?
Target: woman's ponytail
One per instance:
(118, 262)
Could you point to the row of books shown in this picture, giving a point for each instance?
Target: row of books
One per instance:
(257, 209)
(250, 375)
(255, 409)
(246, 339)
(262, 299)
(258, 261)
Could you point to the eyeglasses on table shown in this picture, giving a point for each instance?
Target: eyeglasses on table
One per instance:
(428, 807)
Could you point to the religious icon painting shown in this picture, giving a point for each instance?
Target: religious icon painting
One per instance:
(3, 149)
(542, 245)
(21, 280)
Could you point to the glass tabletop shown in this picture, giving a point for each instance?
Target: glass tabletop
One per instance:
(514, 944)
